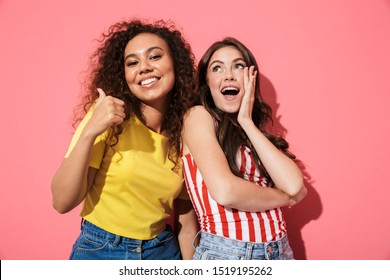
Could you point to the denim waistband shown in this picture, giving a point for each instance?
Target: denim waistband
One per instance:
(94, 230)
(238, 247)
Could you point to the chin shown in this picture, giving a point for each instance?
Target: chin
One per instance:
(229, 110)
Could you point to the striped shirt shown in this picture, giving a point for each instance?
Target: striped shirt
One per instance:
(216, 219)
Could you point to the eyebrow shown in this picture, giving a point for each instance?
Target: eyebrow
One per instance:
(219, 61)
(147, 51)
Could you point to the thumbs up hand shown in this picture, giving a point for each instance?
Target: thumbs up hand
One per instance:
(102, 94)
(108, 112)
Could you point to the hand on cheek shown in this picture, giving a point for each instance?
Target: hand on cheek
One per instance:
(245, 112)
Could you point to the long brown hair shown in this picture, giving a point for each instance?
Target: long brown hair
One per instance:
(229, 133)
(107, 72)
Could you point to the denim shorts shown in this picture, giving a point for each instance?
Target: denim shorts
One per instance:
(214, 247)
(95, 243)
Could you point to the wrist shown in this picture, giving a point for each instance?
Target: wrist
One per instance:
(246, 123)
(88, 134)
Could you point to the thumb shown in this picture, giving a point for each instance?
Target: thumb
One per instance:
(102, 94)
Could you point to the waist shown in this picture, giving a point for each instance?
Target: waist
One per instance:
(140, 221)
(233, 246)
(246, 226)
(91, 229)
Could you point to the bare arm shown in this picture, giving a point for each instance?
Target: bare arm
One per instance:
(284, 172)
(297, 198)
(186, 227)
(227, 189)
(74, 177)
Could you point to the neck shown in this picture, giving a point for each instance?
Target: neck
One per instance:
(154, 117)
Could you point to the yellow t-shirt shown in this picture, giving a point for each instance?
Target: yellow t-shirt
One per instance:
(134, 188)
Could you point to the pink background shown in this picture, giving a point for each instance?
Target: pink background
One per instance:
(326, 72)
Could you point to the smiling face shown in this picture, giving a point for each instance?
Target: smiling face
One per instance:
(149, 69)
(225, 78)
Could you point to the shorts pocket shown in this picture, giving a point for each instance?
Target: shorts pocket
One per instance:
(164, 237)
(207, 254)
(90, 243)
(287, 253)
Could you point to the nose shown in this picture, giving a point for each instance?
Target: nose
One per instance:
(229, 76)
(145, 66)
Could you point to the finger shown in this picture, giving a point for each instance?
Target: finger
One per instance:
(254, 78)
(102, 95)
(252, 74)
(117, 120)
(120, 113)
(101, 92)
(113, 101)
(118, 101)
(245, 75)
(251, 68)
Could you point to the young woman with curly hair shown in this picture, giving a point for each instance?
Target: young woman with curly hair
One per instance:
(123, 162)
(238, 174)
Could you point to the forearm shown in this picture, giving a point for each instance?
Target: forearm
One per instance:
(186, 227)
(70, 182)
(283, 171)
(74, 177)
(225, 188)
(247, 196)
(185, 242)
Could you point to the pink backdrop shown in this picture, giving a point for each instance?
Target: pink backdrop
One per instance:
(326, 69)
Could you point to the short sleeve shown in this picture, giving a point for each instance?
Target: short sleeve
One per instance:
(98, 147)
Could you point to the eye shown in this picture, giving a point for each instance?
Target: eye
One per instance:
(239, 66)
(155, 56)
(216, 68)
(131, 63)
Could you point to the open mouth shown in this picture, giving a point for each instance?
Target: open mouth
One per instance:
(148, 81)
(230, 91)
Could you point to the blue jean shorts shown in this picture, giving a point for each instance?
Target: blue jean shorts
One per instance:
(95, 243)
(214, 247)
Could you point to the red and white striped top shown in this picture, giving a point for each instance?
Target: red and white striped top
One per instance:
(232, 223)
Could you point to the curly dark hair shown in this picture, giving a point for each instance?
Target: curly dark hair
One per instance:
(106, 71)
(229, 133)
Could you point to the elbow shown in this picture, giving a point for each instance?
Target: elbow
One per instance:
(304, 191)
(300, 193)
(59, 201)
(60, 208)
(223, 194)
(293, 188)
(223, 199)
(59, 204)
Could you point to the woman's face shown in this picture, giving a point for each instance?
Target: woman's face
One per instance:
(225, 78)
(149, 68)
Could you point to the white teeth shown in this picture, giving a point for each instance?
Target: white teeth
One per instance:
(229, 88)
(148, 81)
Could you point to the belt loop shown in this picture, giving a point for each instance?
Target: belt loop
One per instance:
(82, 223)
(280, 246)
(281, 242)
(117, 240)
(248, 251)
(266, 251)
